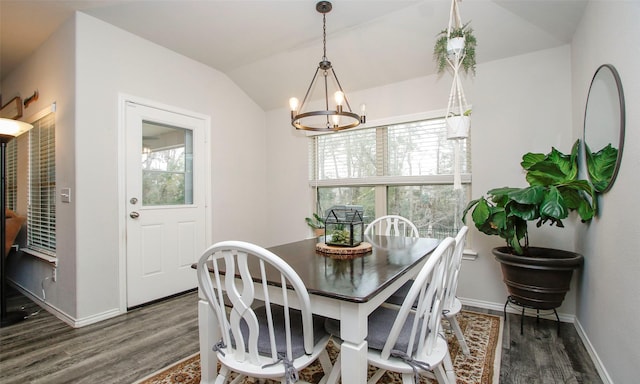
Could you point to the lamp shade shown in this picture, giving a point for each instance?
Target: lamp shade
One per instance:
(10, 128)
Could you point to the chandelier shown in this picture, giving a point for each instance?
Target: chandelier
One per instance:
(325, 120)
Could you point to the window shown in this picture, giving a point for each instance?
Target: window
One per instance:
(167, 165)
(404, 169)
(41, 209)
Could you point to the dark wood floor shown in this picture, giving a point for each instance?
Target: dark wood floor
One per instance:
(542, 356)
(124, 349)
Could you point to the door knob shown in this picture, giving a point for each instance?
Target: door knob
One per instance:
(134, 215)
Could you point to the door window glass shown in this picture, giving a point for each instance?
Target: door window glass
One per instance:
(167, 165)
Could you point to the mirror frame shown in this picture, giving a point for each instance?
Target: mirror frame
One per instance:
(621, 131)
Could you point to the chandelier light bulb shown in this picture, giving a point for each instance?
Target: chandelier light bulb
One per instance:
(293, 103)
(339, 96)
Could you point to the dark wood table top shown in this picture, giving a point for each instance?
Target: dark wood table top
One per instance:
(360, 278)
(357, 279)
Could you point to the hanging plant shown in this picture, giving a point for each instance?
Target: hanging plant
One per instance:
(458, 125)
(442, 53)
(456, 47)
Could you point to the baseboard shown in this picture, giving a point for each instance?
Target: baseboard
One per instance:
(63, 316)
(602, 371)
(564, 317)
(96, 318)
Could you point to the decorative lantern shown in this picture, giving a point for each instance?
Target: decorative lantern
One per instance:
(344, 227)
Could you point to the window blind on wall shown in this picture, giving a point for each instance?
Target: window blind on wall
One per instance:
(421, 148)
(412, 149)
(347, 155)
(41, 210)
(11, 167)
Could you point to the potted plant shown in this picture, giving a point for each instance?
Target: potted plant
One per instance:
(449, 44)
(536, 277)
(458, 125)
(316, 223)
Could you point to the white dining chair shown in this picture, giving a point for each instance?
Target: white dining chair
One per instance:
(265, 341)
(452, 305)
(407, 339)
(392, 225)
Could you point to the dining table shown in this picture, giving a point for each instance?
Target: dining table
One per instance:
(346, 288)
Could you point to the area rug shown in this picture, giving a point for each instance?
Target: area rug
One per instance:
(482, 332)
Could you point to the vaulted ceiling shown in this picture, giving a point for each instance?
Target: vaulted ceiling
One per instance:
(271, 48)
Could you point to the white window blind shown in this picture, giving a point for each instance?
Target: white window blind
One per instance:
(421, 149)
(349, 155)
(11, 167)
(41, 211)
(401, 150)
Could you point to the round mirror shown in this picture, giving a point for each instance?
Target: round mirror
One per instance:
(604, 120)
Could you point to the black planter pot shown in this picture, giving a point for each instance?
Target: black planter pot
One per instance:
(539, 280)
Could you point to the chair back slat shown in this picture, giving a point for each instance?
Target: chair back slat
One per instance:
(218, 309)
(267, 304)
(428, 289)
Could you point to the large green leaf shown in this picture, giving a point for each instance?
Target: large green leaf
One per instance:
(531, 158)
(586, 211)
(501, 191)
(601, 166)
(481, 212)
(495, 224)
(529, 195)
(568, 164)
(498, 219)
(579, 194)
(471, 204)
(553, 205)
(523, 211)
(555, 168)
(500, 196)
(546, 173)
(572, 198)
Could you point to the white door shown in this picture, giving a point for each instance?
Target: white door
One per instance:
(165, 201)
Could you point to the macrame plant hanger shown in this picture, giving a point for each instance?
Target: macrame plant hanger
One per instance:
(456, 117)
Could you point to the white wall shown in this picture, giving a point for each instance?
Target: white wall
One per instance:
(520, 104)
(126, 63)
(50, 70)
(607, 305)
(109, 61)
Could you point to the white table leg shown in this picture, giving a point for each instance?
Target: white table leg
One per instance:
(353, 351)
(209, 334)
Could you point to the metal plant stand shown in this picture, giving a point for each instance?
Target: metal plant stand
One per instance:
(513, 302)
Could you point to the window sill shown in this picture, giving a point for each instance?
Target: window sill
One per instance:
(42, 256)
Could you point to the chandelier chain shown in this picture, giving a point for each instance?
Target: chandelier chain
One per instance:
(324, 36)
